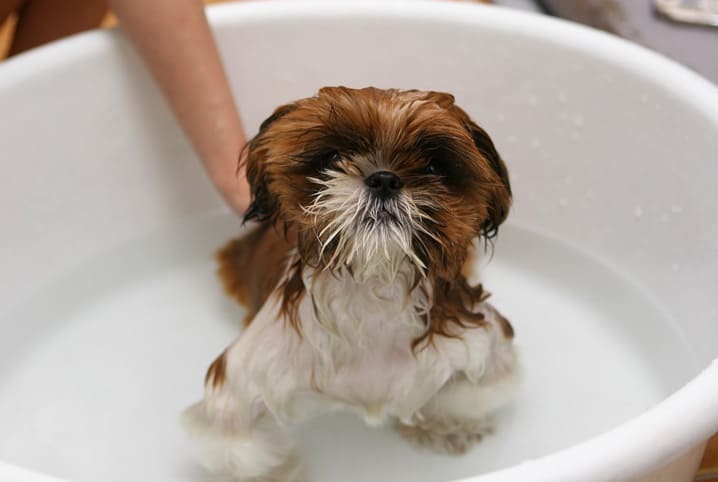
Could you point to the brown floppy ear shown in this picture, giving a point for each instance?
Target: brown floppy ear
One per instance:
(500, 201)
(264, 204)
(501, 192)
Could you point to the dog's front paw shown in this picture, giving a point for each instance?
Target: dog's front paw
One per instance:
(451, 437)
(292, 470)
(259, 451)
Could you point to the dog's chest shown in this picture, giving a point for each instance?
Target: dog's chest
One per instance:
(359, 344)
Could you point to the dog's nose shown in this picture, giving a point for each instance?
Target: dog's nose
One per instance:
(383, 183)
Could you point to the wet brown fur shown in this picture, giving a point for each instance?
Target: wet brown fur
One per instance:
(404, 128)
(217, 372)
(506, 328)
(250, 267)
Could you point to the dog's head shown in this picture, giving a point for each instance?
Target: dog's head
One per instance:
(369, 179)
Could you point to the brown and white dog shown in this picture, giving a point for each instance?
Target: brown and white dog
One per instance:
(370, 206)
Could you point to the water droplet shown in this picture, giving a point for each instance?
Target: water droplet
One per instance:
(562, 98)
(513, 139)
(563, 201)
(714, 313)
(501, 118)
(575, 136)
(676, 267)
(533, 100)
(578, 120)
(535, 144)
(638, 212)
(568, 180)
(676, 209)
(664, 218)
(589, 194)
(644, 98)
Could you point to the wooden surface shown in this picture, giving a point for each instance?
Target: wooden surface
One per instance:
(709, 467)
(6, 32)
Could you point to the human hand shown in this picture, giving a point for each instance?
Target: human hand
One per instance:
(232, 185)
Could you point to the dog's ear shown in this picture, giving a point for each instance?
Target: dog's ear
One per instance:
(501, 191)
(263, 206)
(500, 201)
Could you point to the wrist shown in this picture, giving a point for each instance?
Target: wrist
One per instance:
(231, 183)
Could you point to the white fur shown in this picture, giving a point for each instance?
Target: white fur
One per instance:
(354, 353)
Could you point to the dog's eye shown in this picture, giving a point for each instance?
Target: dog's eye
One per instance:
(327, 160)
(433, 168)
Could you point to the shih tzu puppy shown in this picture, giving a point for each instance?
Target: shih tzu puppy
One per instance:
(370, 206)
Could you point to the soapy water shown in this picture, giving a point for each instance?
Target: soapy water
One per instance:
(105, 360)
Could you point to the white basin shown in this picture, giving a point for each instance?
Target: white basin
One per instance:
(608, 266)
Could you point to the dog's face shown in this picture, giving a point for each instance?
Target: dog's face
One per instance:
(370, 178)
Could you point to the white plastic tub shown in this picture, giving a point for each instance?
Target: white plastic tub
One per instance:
(608, 267)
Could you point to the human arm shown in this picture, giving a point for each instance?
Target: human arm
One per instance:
(175, 41)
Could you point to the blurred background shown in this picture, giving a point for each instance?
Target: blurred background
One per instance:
(686, 31)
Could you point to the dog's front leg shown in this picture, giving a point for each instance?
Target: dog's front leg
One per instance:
(460, 413)
(238, 439)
